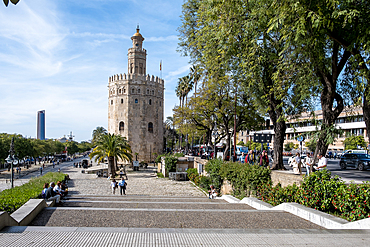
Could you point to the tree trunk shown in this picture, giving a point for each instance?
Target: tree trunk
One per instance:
(111, 168)
(366, 112)
(279, 129)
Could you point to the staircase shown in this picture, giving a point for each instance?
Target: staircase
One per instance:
(164, 212)
(135, 220)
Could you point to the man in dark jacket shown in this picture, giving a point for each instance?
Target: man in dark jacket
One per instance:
(51, 194)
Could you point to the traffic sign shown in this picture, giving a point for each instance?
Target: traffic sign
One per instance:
(300, 138)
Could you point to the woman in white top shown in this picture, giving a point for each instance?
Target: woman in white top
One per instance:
(113, 185)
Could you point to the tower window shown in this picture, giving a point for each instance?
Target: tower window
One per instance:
(150, 101)
(124, 90)
(121, 101)
(150, 127)
(120, 91)
(131, 68)
(138, 91)
(136, 101)
(111, 102)
(152, 92)
(121, 126)
(133, 90)
(160, 104)
(147, 91)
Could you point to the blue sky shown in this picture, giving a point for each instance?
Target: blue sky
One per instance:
(57, 56)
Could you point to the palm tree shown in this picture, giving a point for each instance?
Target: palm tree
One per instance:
(114, 147)
(97, 133)
(169, 123)
(6, 2)
(187, 86)
(195, 74)
(180, 90)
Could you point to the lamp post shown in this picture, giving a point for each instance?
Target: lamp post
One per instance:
(10, 160)
(215, 134)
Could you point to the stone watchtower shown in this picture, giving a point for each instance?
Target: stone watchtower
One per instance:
(135, 105)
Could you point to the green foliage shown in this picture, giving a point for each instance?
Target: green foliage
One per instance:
(311, 144)
(193, 175)
(245, 179)
(170, 163)
(111, 146)
(12, 199)
(325, 193)
(205, 182)
(159, 158)
(288, 146)
(213, 168)
(178, 155)
(255, 145)
(160, 175)
(98, 133)
(353, 141)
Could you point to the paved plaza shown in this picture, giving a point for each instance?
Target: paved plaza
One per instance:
(161, 212)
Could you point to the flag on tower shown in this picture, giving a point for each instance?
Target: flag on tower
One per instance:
(160, 65)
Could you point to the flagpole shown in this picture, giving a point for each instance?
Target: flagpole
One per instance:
(160, 69)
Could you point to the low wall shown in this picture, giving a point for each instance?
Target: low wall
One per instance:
(25, 214)
(285, 178)
(6, 220)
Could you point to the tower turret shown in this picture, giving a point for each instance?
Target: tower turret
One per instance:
(137, 55)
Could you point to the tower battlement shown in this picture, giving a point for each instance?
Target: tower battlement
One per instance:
(128, 77)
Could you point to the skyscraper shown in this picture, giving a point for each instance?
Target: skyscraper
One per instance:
(41, 125)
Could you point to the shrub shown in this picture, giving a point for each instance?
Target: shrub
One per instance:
(160, 175)
(158, 159)
(325, 193)
(245, 179)
(170, 163)
(12, 199)
(178, 155)
(213, 168)
(205, 182)
(193, 175)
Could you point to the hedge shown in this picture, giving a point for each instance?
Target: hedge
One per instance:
(323, 192)
(12, 199)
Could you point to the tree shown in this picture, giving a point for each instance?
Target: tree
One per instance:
(97, 133)
(6, 2)
(289, 146)
(353, 142)
(311, 144)
(230, 38)
(113, 147)
(313, 31)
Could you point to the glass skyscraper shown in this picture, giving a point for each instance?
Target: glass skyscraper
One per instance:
(41, 125)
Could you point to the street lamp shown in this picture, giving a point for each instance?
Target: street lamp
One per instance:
(215, 134)
(10, 160)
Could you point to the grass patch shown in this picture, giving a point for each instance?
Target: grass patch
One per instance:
(12, 199)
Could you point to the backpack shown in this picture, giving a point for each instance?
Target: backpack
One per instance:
(43, 194)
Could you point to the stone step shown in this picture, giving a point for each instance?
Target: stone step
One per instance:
(210, 204)
(170, 218)
(142, 198)
(168, 237)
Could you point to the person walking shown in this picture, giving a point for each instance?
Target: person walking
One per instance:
(40, 170)
(264, 159)
(113, 185)
(122, 186)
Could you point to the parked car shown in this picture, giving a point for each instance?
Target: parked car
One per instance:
(356, 160)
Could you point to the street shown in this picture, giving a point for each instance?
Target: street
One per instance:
(5, 176)
(348, 175)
